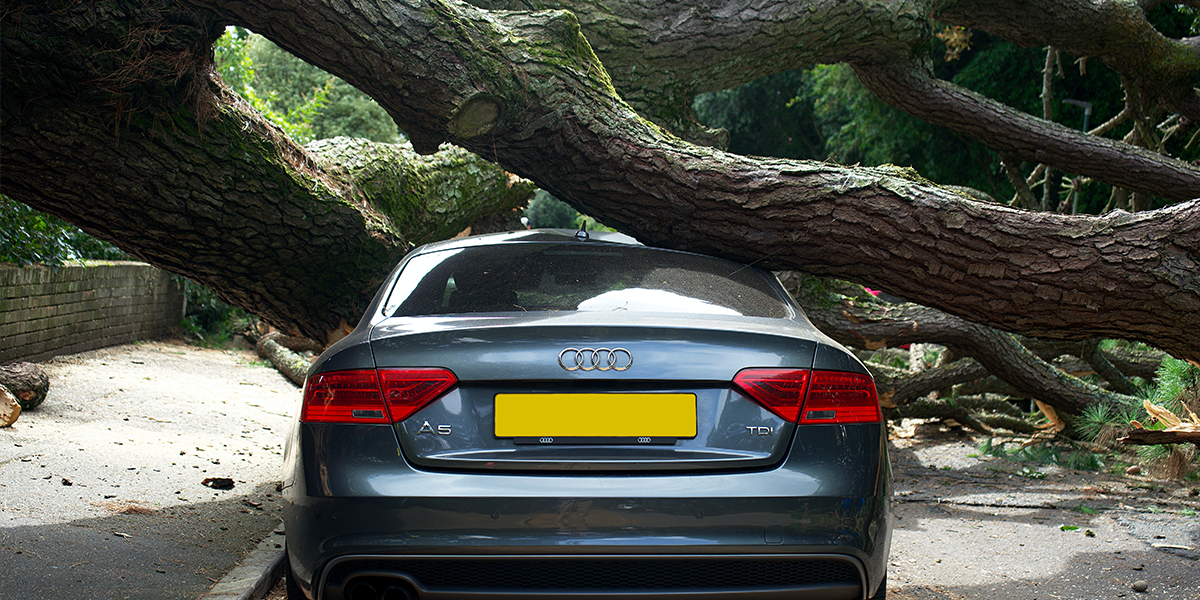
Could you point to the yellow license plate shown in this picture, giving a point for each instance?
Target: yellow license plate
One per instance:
(596, 415)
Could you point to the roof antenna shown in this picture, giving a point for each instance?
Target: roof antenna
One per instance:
(582, 234)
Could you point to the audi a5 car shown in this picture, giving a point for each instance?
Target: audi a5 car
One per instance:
(560, 414)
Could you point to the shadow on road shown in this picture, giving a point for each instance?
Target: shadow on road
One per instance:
(170, 553)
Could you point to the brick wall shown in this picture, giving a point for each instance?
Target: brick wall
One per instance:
(46, 312)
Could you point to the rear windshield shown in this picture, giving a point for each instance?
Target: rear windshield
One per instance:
(577, 277)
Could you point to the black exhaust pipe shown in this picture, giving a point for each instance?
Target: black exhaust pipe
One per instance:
(363, 591)
(399, 592)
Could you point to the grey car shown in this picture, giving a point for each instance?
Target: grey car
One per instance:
(561, 414)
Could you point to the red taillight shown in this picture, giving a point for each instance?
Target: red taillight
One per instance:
(357, 397)
(779, 390)
(822, 396)
(410, 390)
(836, 397)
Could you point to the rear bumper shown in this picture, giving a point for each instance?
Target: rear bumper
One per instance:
(640, 577)
(368, 514)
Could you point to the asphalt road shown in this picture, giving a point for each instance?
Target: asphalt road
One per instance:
(983, 527)
(101, 487)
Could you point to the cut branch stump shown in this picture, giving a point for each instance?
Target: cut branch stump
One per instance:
(27, 381)
(10, 409)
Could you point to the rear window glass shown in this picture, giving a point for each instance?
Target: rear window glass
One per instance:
(551, 277)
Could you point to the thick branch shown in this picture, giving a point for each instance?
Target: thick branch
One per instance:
(1105, 369)
(283, 358)
(661, 53)
(898, 389)
(870, 324)
(142, 147)
(1150, 437)
(909, 87)
(1114, 32)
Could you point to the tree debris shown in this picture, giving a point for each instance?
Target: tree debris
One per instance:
(218, 483)
(27, 381)
(275, 348)
(1177, 430)
(10, 409)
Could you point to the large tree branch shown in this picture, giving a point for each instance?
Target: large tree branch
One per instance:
(908, 86)
(490, 83)
(1115, 32)
(115, 124)
(873, 324)
(662, 53)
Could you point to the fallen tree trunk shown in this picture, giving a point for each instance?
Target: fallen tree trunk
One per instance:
(859, 320)
(289, 363)
(899, 386)
(26, 381)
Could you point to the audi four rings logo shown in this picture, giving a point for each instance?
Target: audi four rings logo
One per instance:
(595, 359)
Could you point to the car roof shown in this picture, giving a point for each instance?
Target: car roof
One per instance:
(532, 235)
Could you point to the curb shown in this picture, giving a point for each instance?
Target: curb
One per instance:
(255, 575)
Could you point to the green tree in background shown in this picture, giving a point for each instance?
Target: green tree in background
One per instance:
(30, 237)
(547, 211)
(824, 112)
(764, 118)
(305, 101)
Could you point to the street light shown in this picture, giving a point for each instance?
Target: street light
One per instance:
(1087, 110)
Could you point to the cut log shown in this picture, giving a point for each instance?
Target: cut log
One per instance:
(27, 381)
(297, 343)
(292, 365)
(10, 409)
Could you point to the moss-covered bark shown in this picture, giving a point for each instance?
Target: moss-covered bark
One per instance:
(662, 53)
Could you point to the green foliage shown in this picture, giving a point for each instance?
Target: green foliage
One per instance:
(233, 58)
(306, 102)
(1177, 389)
(31, 237)
(587, 223)
(763, 119)
(1099, 420)
(547, 211)
(1177, 386)
(1046, 453)
(209, 321)
(234, 53)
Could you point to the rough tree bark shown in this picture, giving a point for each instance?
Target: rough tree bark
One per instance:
(26, 381)
(554, 117)
(281, 351)
(866, 323)
(525, 90)
(112, 119)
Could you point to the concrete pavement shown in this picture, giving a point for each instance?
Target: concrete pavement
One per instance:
(102, 491)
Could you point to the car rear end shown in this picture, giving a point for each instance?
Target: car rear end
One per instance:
(654, 439)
